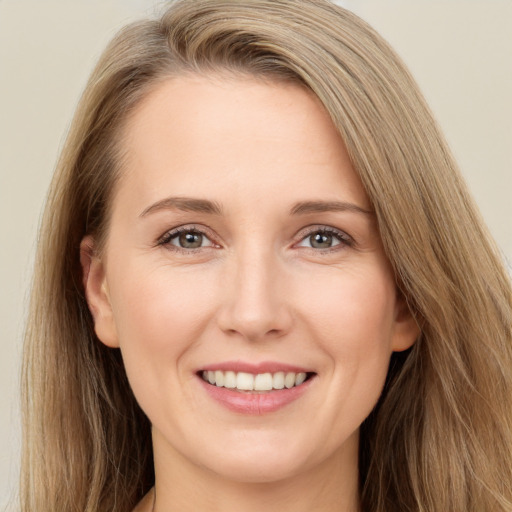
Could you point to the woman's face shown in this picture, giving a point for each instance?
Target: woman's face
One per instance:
(242, 250)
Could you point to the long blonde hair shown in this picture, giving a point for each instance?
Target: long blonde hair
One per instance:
(440, 438)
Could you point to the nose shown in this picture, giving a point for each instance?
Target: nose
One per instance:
(255, 302)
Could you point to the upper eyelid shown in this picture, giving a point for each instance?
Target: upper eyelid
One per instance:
(315, 228)
(173, 232)
(345, 240)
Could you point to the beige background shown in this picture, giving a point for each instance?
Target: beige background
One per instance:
(459, 50)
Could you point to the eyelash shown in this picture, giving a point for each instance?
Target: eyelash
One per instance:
(167, 238)
(343, 238)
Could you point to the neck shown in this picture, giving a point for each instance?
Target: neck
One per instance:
(330, 487)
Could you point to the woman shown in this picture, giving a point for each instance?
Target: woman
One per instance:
(261, 282)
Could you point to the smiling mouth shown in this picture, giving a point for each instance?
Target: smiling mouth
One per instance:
(260, 382)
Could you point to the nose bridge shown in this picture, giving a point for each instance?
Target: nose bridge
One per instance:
(255, 305)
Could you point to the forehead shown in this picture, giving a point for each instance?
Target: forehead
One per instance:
(235, 137)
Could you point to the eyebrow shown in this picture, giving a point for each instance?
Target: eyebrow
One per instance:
(305, 207)
(190, 204)
(186, 204)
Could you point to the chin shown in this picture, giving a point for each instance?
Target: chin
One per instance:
(261, 471)
(251, 457)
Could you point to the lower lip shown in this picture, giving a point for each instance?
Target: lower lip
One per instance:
(256, 403)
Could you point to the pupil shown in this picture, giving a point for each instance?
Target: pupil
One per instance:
(191, 240)
(321, 241)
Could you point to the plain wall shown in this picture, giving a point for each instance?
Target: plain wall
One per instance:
(460, 52)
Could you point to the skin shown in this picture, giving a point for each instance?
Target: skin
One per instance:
(256, 290)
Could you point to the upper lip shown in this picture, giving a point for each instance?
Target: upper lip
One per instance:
(254, 368)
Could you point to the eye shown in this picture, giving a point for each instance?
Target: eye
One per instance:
(189, 240)
(325, 238)
(186, 238)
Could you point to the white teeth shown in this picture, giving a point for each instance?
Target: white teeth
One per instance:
(263, 382)
(299, 379)
(289, 380)
(248, 382)
(245, 381)
(219, 379)
(278, 380)
(230, 380)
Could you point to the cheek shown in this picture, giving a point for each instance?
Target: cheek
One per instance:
(156, 301)
(352, 319)
(159, 316)
(352, 311)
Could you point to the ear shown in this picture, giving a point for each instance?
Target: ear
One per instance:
(97, 294)
(406, 329)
